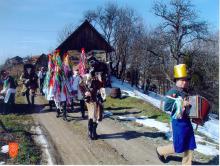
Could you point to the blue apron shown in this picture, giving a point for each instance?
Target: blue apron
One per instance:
(183, 135)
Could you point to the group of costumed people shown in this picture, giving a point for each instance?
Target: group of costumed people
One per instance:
(63, 85)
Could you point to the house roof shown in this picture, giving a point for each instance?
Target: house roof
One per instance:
(85, 36)
(16, 58)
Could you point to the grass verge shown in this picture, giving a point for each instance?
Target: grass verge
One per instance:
(146, 109)
(16, 127)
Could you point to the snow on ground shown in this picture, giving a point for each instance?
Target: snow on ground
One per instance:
(207, 149)
(210, 128)
(41, 139)
(147, 122)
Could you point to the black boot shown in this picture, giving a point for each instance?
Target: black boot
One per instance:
(51, 104)
(90, 129)
(32, 99)
(58, 113)
(27, 97)
(95, 135)
(82, 105)
(64, 115)
(64, 111)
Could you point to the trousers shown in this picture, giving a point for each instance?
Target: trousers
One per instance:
(169, 149)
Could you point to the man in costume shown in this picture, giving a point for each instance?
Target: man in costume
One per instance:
(41, 76)
(94, 104)
(30, 82)
(77, 94)
(8, 91)
(177, 104)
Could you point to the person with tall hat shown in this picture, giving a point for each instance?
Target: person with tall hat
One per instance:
(94, 106)
(177, 104)
(8, 91)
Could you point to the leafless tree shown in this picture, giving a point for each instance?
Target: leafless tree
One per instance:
(104, 18)
(180, 25)
(126, 26)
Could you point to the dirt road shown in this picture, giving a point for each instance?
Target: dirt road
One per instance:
(117, 144)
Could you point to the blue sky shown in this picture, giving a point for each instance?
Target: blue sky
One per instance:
(31, 27)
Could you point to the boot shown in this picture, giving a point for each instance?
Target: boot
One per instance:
(51, 105)
(82, 105)
(64, 111)
(28, 100)
(64, 115)
(90, 129)
(32, 99)
(95, 135)
(58, 113)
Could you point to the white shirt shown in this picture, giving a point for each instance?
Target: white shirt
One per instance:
(40, 74)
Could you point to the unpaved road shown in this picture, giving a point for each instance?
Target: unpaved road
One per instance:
(117, 144)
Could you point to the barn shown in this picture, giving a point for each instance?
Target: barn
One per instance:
(87, 37)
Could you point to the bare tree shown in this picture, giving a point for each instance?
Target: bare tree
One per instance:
(126, 25)
(104, 18)
(180, 25)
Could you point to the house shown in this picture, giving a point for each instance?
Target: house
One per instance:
(42, 61)
(87, 37)
(15, 60)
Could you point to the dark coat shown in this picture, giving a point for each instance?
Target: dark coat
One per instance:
(30, 80)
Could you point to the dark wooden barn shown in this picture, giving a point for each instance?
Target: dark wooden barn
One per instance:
(85, 36)
(42, 61)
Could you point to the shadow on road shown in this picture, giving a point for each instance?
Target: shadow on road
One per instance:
(132, 135)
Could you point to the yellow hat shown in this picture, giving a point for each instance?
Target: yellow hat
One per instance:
(180, 71)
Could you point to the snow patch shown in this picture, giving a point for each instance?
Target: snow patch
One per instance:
(41, 139)
(207, 150)
(107, 113)
(210, 128)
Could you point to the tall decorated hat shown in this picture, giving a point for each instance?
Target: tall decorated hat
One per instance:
(180, 71)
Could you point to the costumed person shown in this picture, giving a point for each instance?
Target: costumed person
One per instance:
(30, 82)
(61, 86)
(94, 104)
(48, 86)
(102, 71)
(65, 92)
(8, 91)
(177, 104)
(77, 94)
(41, 76)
